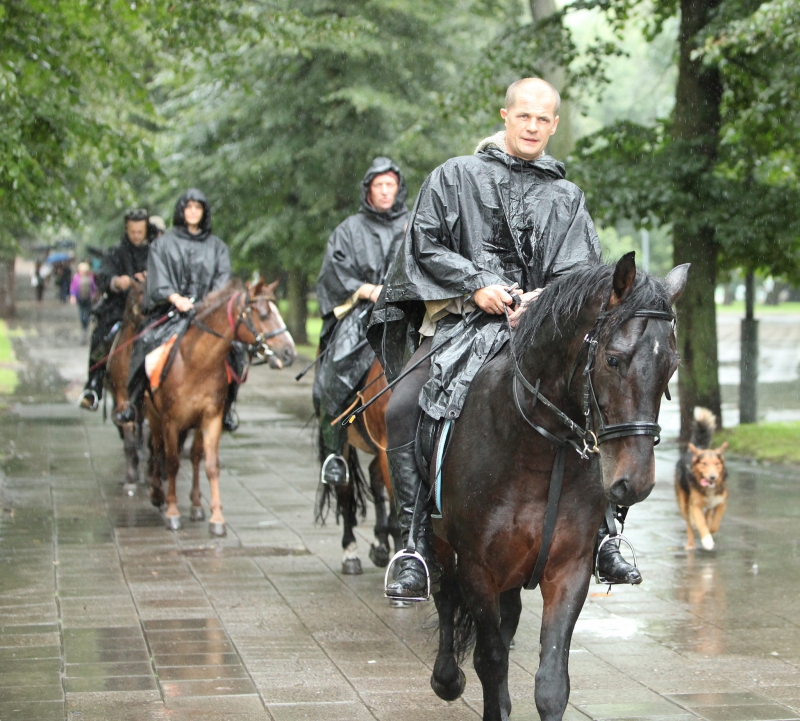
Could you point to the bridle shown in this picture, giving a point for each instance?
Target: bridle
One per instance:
(258, 348)
(589, 438)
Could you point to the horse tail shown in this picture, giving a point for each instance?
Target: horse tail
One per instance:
(705, 423)
(464, 632)
(323, 502)
(361, 490)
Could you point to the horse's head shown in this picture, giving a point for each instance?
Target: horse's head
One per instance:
(133, 314)
(267, 322)
(635, 358)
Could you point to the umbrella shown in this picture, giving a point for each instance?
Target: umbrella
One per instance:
(58, 257)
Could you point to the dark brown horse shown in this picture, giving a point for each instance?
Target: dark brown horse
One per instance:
(367, 434)
(192, 394)
(116, 382)
(598, 338)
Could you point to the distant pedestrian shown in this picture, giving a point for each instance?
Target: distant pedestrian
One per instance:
(63, 276)
(82, 290)
(38, 280)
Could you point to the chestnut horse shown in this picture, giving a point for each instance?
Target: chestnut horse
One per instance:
(192, 394)
(367, 434)
(116, 382)
(588, 361)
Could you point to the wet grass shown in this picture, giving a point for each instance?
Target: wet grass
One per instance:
(776, 442)
(8, 376)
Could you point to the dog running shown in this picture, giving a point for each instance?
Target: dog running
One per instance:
(701, 481)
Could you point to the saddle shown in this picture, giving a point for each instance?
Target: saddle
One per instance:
(433, 440)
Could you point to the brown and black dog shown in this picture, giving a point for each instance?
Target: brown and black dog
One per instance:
(701, 481)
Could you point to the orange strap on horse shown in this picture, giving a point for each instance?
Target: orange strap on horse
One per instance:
(116, 350)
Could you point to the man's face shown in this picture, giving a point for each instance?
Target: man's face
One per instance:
(530, 122)
(137, 231)
(193, 214)
(382, 192)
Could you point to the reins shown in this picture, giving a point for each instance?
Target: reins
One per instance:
(585, 435)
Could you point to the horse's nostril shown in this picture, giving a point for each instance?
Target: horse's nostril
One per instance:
(619, 491)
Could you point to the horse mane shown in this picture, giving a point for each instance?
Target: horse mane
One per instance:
(217, 297)
(562, 300)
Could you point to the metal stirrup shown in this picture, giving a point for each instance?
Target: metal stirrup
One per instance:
(617, 537)
(334, 457)
(85, 394)
(397, 557)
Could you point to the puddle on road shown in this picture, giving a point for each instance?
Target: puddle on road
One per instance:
(243, 551)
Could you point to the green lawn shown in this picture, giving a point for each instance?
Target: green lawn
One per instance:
(8, 376)
(777, 442)
(737, 308)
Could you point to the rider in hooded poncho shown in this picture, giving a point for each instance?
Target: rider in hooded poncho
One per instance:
(122, 263)
(502, 218)
(356, 261)
(185, 264)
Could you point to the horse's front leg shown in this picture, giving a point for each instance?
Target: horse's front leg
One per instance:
(346, 505)
(447, 679)
(379, 551)
(131, 445)
(510, 610)
(564, 594)
(197, 513)
(156, 463)
(491, 654)
(172, 453)
(212, 431)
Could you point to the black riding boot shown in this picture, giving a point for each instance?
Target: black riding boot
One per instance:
(611, 566)
(93, 390)
(407, 484)
(135, 397)
(230, 419)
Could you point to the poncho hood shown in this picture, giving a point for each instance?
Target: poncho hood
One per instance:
(494, 147)
(179, 221)
(379, 166)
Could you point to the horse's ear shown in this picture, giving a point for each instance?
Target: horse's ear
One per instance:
(272, 287)
(624, 278)
(675, 282)
(257, 287)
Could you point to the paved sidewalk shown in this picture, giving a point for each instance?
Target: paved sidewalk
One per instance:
(104, 614)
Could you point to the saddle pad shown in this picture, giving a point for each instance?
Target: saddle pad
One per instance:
(155, 360)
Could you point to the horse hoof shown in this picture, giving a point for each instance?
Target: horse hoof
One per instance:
(352, 567)
(197, 513)
(379, 555)
(217, 529)
(157, 499)
(451, 691)
(129, 489)
(173, 523)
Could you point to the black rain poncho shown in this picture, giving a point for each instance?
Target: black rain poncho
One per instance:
(489, 218)
(359, 251)
(179, 262)
(124, 258)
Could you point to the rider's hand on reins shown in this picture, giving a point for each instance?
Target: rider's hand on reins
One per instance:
(183, 305)
(524, 300)
(492, 299)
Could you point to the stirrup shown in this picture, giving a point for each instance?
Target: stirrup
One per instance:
(95, 402)
(335, 457)
(618, 537)
(399, 556)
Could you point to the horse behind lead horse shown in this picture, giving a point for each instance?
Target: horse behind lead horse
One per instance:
(192, 393)
(600, 341)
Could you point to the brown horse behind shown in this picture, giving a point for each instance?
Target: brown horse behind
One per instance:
(192, 395)
(116, 382)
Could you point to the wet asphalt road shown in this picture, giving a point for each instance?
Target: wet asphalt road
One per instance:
(104, 614)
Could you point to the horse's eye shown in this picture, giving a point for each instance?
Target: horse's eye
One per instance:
(613, 362)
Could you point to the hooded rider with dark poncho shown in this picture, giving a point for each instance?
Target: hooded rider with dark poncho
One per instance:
(504, 218)
(186, 264)
(121, 265)
(357, 259)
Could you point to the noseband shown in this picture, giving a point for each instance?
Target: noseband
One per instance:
(590, 438)
(258, 348)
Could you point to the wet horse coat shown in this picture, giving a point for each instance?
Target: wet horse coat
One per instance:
(497, 472)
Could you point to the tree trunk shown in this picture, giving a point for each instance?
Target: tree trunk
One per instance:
(7, 307)
(695, 135)
(297, 315)
(748, 364)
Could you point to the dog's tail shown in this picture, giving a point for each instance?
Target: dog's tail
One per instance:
(705, 423)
